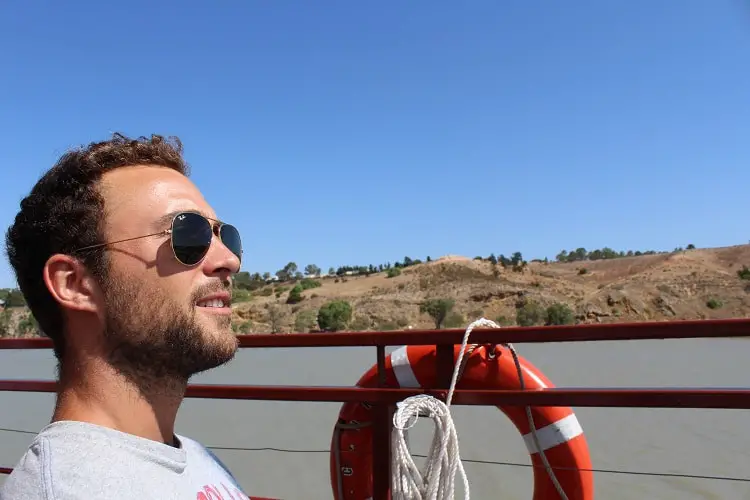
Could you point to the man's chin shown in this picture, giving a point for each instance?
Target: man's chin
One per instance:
(222, 341)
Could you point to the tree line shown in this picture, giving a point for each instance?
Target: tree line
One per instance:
(291, 272)
(516, 262)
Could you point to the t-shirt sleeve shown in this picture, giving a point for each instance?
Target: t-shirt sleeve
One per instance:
(27, 482)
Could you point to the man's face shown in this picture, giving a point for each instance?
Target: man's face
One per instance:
(156, 325)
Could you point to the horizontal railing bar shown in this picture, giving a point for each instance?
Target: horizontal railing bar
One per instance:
(515, 335)
(646, 330)
(726, 398)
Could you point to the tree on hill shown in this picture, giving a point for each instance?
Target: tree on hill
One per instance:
(312, 270)
(438, 309)
(287, 272)
(276, 317)
(582, 254)
(335, 315)
(246, 281)
(516, 259)
(504, 261)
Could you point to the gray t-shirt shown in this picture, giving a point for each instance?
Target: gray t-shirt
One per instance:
(76, 461)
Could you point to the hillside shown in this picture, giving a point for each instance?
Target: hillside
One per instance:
(691, 284)
(684, 284)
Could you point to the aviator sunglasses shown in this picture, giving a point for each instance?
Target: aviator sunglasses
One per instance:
(191, 235)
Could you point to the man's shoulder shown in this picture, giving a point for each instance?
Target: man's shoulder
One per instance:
(29, 479)
(198, 451)
(74, 460)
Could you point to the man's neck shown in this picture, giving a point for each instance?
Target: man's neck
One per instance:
(96, 393)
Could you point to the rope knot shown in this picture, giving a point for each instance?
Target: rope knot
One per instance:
(436, 482)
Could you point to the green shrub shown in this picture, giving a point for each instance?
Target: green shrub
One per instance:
(305, 321)
(744, 273)
(713, 303)
(295, 295)
(243, 327)
(335, 315)
(454, 320)
(560, 314)
(241, 295)
(393, 272)
(530, 313)
(308, 283)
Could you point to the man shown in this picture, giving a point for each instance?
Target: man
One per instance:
(128, 271)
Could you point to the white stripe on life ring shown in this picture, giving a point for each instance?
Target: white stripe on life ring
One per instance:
(528, 373)
(554, 434)
(402, 369)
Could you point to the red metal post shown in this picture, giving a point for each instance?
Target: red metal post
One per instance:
(381, 436)
(444, 365)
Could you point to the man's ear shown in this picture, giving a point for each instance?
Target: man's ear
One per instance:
(70, 283)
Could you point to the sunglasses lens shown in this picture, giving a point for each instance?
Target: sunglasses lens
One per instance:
(230, 237)
(191, 238)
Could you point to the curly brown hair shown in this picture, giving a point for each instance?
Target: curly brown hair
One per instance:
(64, 212)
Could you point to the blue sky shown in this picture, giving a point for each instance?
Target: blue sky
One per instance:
(338, 132)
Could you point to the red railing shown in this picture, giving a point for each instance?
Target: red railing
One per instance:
(383, 398)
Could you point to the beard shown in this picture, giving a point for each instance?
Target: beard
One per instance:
(158, 343)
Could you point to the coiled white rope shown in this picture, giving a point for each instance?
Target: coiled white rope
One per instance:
(437, 482)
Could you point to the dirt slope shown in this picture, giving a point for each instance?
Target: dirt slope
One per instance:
(653, 287)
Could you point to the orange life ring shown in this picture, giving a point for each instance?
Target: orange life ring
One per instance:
(559, 433)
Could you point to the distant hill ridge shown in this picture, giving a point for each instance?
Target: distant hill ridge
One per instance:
(687, 283)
